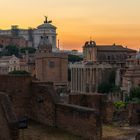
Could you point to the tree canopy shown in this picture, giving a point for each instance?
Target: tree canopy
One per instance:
(29, 49)
(10, 50)
(74, 58)
(135, 93)
(14, 50)
(109, 85)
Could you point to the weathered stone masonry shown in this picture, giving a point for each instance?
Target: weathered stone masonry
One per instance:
(41, 103)
(8, 121)
(97, 101)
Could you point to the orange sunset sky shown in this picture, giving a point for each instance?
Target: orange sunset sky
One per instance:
(106, 21)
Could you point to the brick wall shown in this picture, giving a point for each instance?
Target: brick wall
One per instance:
(18, 90)
(40, 102)
(52, 67)
(43, 103)
(134, 114)
(98, 101)
(79, 120)
(8, 121)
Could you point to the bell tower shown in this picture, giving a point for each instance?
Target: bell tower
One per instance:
(90, 51)
(44, 45)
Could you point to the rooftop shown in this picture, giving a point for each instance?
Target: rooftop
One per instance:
(113, 47)
(46, 25)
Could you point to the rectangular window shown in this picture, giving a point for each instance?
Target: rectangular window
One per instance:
(51, 64)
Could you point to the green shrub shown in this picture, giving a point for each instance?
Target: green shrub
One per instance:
(119, 104)
(18, 72)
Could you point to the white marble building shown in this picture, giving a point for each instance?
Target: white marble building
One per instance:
(8, 64)
(34, 35)
(86, 76)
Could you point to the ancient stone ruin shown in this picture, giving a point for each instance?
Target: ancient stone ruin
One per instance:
(40, 102)
(8, 121)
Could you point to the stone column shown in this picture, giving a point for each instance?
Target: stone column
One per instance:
(81, 80)
(90, 82)
(96, 75)
(75, 79)
(84, 80)
(78, 73)
(88, 78)
(71, 80)
(117, 78)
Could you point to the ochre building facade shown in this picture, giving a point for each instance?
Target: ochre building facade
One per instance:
(50, 66)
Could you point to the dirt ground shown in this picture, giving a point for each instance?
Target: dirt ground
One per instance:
(120, 133)
(37, 131)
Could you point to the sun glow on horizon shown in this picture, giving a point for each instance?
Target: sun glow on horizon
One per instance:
(107, 22)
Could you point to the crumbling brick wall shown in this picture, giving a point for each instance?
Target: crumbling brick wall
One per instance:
(41, 103)
(43, 99)
(48, 110)
(8, 121)
(82, 121)
(98, 101)
(18, 90)
(134, 114)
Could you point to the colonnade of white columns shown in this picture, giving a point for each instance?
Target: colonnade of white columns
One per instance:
(84, 80)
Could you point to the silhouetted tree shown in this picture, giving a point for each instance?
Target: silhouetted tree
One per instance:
(74, 58)
(29, 49)
(11, 50)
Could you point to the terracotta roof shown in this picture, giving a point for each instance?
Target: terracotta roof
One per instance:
(113, 48)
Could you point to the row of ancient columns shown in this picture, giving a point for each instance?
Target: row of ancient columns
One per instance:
(84, 80)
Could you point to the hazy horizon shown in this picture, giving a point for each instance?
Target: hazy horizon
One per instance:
(106, 22)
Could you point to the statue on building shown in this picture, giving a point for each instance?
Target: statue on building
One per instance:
(46, 20)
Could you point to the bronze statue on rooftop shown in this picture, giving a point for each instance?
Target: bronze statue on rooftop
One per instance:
(46, 20)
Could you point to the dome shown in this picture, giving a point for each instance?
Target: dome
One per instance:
(46, 26)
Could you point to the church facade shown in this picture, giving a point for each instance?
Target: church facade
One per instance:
(50, 66)
(99, 62)
(106, 53)
(33, 35)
